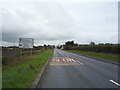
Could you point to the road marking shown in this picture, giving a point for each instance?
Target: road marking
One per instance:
(63, 60)
(62, 64)
(58, 64)
(114, 82)
(79, 62)
(71, 60)
(66, 60)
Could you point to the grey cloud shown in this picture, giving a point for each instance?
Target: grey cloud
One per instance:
(57, 22)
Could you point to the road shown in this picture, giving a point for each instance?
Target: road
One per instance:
(68, 70)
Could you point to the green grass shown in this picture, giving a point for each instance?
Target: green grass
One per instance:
(22, 75)
(105, 56)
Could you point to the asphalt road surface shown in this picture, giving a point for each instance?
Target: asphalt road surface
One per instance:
(68, 70)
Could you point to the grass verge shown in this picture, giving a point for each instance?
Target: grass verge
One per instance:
(22, 75)
(104, 56)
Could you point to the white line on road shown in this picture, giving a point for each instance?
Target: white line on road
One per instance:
(114, 82)
(79, 62)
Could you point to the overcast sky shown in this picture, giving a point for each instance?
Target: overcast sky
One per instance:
(58, 22)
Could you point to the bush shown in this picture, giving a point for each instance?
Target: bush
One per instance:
(108, 48)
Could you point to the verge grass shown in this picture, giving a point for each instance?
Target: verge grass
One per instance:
(104, 56)
(22, 75)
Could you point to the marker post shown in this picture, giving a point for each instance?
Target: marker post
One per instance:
(21, 53)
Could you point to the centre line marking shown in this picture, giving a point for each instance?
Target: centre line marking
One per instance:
(79, 62)
(114, 82)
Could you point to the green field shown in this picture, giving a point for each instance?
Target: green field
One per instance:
(21, 75)
(104, 56)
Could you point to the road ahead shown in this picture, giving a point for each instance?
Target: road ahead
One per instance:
(68, 70)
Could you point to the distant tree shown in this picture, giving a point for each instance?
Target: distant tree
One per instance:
(101, 43)
(45, 45)
(69, 43)
(107, 44)
(92, 43)
(59, 46)
(53, 46)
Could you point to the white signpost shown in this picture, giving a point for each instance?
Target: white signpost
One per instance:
(25, 43)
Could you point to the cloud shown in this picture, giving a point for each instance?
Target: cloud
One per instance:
(54, 23)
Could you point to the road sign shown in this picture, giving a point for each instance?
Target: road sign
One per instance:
(26, 42)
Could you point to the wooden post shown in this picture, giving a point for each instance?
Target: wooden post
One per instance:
(21, 53)
(31, 52)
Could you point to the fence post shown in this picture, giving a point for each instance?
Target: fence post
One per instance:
(31, 51)
(21, 53)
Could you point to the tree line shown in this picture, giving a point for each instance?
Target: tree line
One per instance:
(92, 47)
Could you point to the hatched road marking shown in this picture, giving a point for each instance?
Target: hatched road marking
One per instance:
(63, 64)
(64, 61)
